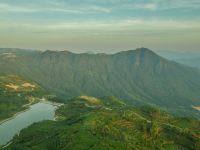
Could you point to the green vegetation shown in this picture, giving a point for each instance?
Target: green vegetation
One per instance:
(137, 76)
(15, 95)
(109, 124)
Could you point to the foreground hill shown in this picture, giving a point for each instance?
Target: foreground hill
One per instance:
(16, 94)
(109, 124)
(137, 76)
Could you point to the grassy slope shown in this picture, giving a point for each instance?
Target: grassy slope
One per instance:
(14, 94)
(109, 124)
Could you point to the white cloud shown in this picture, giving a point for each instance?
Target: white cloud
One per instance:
(177, 4)
(108, 26)
(54, 7)
(11, 8)
(162, 4)
(96, 7)
(147, 6)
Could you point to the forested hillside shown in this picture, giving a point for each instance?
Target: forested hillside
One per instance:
(109, 124)
(137, 76)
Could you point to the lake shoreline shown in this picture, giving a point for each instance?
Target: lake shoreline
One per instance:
(28, 107)
(42, 102)
(14, 116)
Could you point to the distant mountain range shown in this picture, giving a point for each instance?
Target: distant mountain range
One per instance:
(193, 62)
(138, 76)
(187, 58)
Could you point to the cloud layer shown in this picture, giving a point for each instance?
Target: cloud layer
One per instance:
(68, 23)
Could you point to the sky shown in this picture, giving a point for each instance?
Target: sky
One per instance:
(100, 25)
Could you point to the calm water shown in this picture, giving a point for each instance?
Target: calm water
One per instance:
(37, 112)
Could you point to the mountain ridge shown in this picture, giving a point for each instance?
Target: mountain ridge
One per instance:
(138, 76)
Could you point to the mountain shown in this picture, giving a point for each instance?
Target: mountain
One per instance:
(138, 76)
(108, 124)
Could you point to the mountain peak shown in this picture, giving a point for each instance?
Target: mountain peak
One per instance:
(47, 52)
(140, 54)
(139, 51)
(143, 49)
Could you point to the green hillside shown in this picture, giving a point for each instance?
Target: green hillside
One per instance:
(137, 76)
(109, 124)
(16, 94)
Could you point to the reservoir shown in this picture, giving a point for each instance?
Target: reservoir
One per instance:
(36, 113)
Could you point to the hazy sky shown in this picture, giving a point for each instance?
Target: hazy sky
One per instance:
(100, 25)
